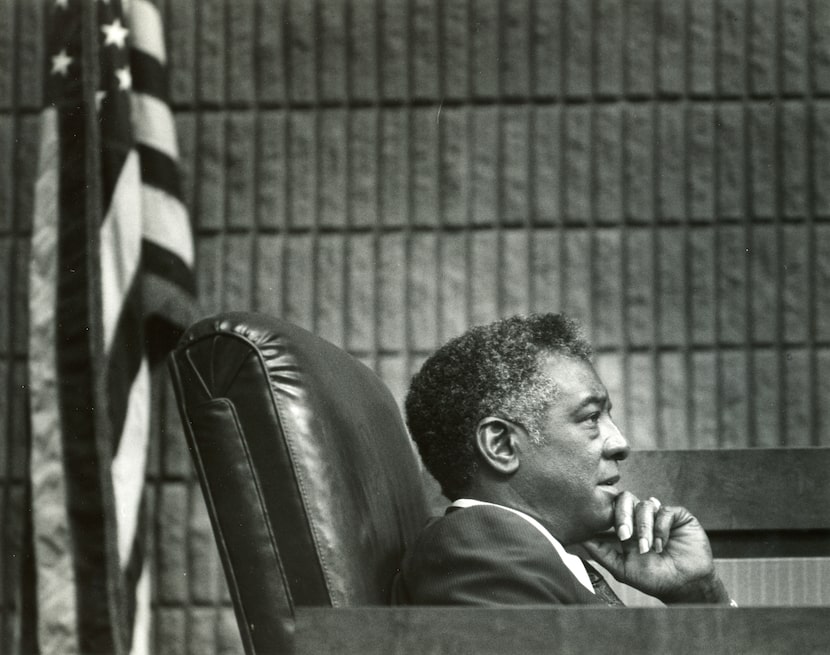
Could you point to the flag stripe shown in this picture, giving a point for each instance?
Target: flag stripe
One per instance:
(164, 264)
(149, 74)
(147, 34)
(120, 247)
(166, 224)
(124, 361)
(169, 307)
(159, 171)
(113, 156)
(153, 124)
(134, 564)
(141, 614)
(130, 462)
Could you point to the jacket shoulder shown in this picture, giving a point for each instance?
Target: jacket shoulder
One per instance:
(484, 555)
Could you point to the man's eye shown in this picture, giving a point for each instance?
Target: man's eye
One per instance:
(592, 418)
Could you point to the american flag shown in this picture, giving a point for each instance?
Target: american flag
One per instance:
(111, 286)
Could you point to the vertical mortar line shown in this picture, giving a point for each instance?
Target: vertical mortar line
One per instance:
(563, 134)
(714, 224)
(593, 225)
(653, 229)
(812, 326)
(441, 218)
(379, 229)
(257, 158)
(383, 108)
(499, 227)
(656, 347)
(472, 110)
(531, 111)
(625, 346)
(689, 305)
(628, 345)
(624, 343)
(779, 340)
(282, 231)
(656, 332)
(348, 218)
(317, 108)
(226, 111)
(198, 106)
(407, 231)
(718, 228)
(749, 349)
(440, 231)
(288, 130)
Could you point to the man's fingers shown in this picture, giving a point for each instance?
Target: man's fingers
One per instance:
(644, 521)
(636, 518)
(624, 515)
(662, 528)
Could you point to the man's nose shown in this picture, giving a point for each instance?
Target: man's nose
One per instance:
(615, 445)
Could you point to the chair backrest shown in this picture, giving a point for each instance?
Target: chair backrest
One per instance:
(310, 478)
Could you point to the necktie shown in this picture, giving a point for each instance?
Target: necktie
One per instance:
(602, 589)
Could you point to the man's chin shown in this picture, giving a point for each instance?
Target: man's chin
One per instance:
(605, 519)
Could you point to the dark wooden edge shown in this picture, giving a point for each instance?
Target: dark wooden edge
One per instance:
(746, 489)
(571, 630)
(742, 544)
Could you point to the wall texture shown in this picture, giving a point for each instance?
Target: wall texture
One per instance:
(388, 172)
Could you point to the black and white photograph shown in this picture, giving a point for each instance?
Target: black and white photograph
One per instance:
(414, 326)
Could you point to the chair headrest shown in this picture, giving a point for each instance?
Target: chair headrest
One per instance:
(305, 447)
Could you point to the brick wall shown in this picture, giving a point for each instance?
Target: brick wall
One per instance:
(387, 173)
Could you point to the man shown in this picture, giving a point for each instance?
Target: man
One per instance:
(514, 423)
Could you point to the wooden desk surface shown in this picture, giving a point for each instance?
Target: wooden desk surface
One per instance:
(688, 630)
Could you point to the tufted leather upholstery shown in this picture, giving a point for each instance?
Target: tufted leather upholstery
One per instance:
(311, 481)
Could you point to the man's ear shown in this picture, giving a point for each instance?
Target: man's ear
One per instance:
(498, 445)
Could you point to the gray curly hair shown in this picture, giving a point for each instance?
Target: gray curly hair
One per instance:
(490, 370)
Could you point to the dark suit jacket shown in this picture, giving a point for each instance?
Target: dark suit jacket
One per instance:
(483, 555)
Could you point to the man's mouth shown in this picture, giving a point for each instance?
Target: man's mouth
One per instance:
(608, 485)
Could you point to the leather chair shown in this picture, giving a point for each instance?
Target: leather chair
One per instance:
(312, 484)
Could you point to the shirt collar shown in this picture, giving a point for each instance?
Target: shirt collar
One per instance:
(573, 562)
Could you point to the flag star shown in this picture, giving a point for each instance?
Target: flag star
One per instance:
(125, 79)
(115, 33)
(99, 98)
(60, 63)
(63, 4)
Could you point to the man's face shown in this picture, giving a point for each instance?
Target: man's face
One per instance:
(568, 479)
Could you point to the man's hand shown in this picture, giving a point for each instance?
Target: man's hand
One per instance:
(662, 551)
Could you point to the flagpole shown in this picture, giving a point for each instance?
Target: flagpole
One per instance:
(104, 437)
